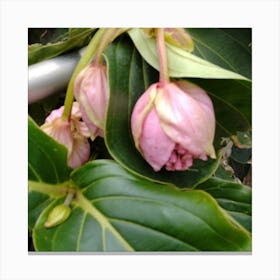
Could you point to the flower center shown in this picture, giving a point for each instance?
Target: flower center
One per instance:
(180, 159)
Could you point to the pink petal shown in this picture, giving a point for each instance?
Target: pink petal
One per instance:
(92, 92)
(184, 120)
(141, 109)
(80, 152)
(93, 129)
(154, 143)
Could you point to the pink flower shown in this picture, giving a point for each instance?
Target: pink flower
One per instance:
(172, 124)
(72, 134)
(92, 92)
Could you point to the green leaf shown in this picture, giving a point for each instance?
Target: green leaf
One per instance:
(180, 63)
(233, 197)
(77, 37)
(116, 211)
(47, 165)
(229, 48)
(129, 76)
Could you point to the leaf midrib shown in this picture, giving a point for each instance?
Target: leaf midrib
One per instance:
(83, 203)
(165, 203)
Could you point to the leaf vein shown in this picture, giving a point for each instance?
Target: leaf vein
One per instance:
(217, 54)
(35, 172)
(81, 232)
(175, 206)
(85, 204)
(156, 230)
(237, 41)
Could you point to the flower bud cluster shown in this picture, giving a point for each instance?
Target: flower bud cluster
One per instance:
(172, 123)
(87, 116)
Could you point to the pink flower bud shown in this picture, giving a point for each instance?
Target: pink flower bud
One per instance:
(72, 134)
(92, 92)
(172, 124)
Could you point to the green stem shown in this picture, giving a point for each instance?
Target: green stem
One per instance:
(84, 61)
(52, 190)
(68, 198)
(162, 55)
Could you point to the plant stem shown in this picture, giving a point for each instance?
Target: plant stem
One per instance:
(68, 198)
(162, 55)
(84, 61)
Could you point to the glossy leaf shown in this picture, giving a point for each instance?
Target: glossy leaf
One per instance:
(116, 211)
(129, 76)
(229, 48)
(47, 165)
(233, 197)
(180, 62)
(77, 37)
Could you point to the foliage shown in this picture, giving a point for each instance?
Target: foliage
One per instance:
(120, 203)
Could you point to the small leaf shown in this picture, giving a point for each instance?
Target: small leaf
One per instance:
(121, 212)
(243, 140)
(180, 63)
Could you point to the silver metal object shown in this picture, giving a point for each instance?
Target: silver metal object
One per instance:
(48, 77)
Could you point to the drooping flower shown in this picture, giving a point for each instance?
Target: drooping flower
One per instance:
(91, 90)
(71, 133)
(172, 124)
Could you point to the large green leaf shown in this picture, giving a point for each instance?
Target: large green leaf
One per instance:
(129, 76)
(229, 48)
(76, 38)
(47, 165)
(233, 197)
(180, 63)
(116, 211)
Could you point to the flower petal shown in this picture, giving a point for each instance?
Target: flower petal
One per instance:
(141, 109)
(80, 152)
(154, 143)
(92, 92)
(184, 119)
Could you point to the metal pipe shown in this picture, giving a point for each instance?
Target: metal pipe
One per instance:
(48, 77)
